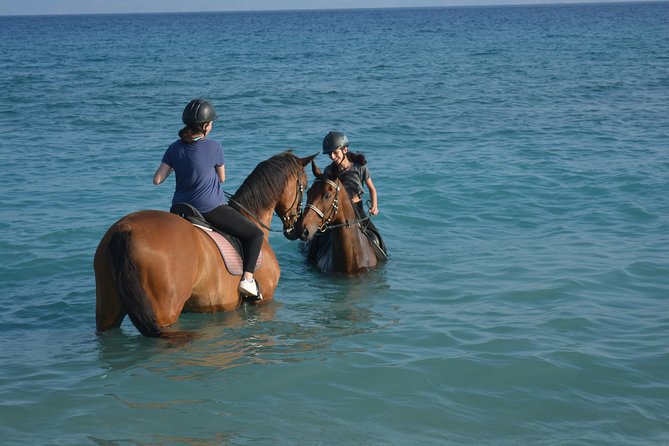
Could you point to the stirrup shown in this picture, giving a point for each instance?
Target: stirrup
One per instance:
(249, 290)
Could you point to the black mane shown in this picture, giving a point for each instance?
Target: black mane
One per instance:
(262, 189)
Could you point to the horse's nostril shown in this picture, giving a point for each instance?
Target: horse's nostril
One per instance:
(305, 234)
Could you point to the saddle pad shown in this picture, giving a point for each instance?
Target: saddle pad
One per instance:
(232, 259)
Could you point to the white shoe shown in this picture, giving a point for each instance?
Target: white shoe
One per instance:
(248, 288)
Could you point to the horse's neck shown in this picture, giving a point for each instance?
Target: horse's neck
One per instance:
(266, 218)
(351, 238)
(254, 215)
(346, 212)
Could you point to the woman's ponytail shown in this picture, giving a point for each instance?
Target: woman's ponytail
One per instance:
(356, 158)
(190, 133)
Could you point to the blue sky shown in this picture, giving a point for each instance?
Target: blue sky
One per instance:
(19, 7)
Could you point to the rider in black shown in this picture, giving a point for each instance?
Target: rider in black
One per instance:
(353, 172)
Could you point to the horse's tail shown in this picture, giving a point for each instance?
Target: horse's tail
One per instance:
(130, 291)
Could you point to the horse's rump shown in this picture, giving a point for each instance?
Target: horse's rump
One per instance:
(128, 286)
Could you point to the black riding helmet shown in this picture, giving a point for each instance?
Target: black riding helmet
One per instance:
(198, 111)
(334, 141)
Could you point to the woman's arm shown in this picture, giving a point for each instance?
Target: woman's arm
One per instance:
(220, 171)
(372, 194)
(162, 172)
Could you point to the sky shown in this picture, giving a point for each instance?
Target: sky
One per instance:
(48, 7)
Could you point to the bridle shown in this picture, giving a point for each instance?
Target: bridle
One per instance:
(285, 218)
(297, 204)
(332, 211)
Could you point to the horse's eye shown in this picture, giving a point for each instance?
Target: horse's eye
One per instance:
(327, 196)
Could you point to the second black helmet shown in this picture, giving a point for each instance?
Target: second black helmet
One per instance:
(334, 141)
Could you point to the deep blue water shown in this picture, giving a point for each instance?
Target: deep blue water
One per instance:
(521, 156)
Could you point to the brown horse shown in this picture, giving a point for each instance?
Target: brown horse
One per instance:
(154, 265)
(335, 235)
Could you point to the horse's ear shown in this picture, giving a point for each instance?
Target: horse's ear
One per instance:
(308, 159)
(334, 174)
(315, 170)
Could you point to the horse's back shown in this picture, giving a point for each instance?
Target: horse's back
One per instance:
(156, 237)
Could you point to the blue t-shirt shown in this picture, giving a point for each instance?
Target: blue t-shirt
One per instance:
(194, 165)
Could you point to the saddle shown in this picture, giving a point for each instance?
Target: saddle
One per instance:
(229, 246)
(376, 241)
(371, 232)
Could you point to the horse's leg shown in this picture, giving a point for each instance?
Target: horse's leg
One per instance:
(167, 266)
(167, 287)
(108, 311)
(268, 274)
(145, 256)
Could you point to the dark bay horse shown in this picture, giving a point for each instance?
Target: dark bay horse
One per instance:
(336, 240)
(154, 265)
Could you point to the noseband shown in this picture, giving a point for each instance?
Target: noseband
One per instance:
(334, 208)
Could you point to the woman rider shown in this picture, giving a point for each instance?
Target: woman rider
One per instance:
(353, 172)
(199, 166)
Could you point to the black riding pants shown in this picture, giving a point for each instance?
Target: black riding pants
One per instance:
(360, 213)
(228, 219)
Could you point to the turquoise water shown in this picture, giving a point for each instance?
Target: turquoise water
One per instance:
(522, 160)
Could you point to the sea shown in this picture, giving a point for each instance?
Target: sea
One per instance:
(521, 159)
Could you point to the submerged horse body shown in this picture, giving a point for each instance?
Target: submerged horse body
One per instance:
(153, 265)
(335, 235)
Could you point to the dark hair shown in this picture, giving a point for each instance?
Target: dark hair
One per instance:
(190, 132)
(356, 158)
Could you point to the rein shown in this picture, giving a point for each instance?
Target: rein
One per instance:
(334, 208)
(285, 218)
(297, 203)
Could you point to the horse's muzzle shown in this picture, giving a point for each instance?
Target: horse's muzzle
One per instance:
(291, 233)
(305, 235)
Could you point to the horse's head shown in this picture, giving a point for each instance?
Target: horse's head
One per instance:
(323, 199)
(289, 206)
(277, 185)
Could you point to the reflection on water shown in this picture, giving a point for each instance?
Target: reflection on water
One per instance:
(235, 359)
(282, 331)
(217, 342)
(217, 439)
(154, 405)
